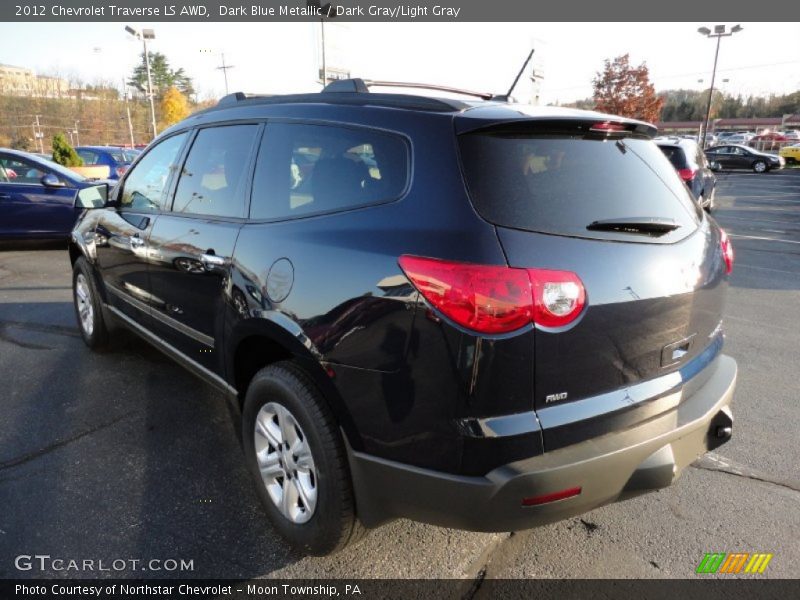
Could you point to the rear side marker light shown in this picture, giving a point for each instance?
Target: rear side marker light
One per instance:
(727, 250)
(554, 497)
(496, 299)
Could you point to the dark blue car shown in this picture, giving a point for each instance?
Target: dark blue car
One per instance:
(37, 197)
(116, 159)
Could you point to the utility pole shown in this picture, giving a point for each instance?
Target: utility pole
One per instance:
(77, 137)
(224, 68)
(324, 66)
(39, 135)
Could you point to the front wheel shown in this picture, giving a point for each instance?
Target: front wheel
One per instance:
(760, 166)
(88, 308)
(297, 458)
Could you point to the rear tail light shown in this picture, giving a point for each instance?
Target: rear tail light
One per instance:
(558, 297)
(121, 171)
(727, 250)
(686, 174)
(496, 299)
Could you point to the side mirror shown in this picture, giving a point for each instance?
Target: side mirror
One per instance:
(92, 197)
(51, 181)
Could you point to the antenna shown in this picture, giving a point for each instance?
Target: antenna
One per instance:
(516, 79)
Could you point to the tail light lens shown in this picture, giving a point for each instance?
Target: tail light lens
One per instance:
(686, 174)
(558, 297)
(121, 171)
(496, 299)
(727, 250)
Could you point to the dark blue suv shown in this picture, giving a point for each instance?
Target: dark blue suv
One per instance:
(470, 313)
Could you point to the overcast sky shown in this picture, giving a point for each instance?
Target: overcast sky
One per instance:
(284, 57)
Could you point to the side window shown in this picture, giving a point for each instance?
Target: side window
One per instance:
(18, 170)
(307, 169)
(145, 185)
(213, 180)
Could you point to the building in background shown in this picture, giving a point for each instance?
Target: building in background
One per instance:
(18, 81)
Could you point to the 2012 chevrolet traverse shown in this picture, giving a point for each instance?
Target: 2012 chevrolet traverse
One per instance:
(471, 313)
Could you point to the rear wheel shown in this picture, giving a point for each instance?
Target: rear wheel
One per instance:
(297, 458)
(88, 308)
(760, 166)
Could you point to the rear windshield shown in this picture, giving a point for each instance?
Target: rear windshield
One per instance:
(675, 155)
(561, 184)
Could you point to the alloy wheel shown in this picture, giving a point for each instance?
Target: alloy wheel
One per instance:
(83, 298)
(285, 462)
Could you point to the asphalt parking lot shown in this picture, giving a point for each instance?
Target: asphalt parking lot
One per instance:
(125, 455)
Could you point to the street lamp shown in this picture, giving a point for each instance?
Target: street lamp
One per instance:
(144, 35)
(719, 33)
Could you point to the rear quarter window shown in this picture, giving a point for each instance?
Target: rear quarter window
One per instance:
(312, 169)
(559, 184)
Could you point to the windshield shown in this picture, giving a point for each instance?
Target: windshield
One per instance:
(563, 184)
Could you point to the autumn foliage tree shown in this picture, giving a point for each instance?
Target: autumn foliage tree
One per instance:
(174, 107)
(625, 90)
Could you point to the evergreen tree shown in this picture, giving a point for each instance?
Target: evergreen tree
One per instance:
(63, 153)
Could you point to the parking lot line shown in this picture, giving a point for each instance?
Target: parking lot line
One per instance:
(766, 239)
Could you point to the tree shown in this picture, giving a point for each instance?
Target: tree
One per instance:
(63, 153)
(621, 89)
(162, 76)
(21, 142)
(174, 107)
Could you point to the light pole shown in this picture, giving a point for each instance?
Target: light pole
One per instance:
(144, 35)
(128, 110)
(719, 33)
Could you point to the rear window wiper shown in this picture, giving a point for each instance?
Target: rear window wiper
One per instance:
(654, 226)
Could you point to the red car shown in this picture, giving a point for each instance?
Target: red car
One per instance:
(768, 141)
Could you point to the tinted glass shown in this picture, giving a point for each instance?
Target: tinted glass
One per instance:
(560, 185)
(675, 155)
(213, 180)
(306, 169)
(145, 185)
(19, 170)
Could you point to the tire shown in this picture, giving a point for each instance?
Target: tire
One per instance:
(710, 206)
(284, 409)
(88, 307)
(760, 166)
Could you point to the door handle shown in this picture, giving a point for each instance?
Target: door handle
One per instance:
(137, 242)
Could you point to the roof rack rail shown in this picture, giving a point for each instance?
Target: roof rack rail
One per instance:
(362, 86)
(345, 94)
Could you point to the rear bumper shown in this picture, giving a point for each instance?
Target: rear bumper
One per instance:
(612, 467)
